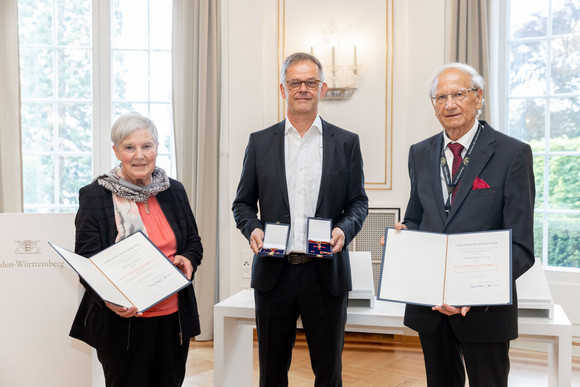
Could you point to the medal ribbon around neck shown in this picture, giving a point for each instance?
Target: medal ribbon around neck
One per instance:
(451, 185)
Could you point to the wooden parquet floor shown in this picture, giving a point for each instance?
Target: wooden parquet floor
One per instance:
(374, 360)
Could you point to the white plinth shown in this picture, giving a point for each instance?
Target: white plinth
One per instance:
(234, 320)
(363, 288)
(534, 292)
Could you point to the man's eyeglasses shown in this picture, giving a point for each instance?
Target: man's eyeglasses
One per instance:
(457, 96)
(310, 84)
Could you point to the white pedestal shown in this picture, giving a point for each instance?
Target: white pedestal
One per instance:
(363, 289)
(234, 320)
(533, 291)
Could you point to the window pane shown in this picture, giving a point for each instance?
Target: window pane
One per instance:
(131, 76)
(539, 162)
(37, 128)
(526, 120)
(565, 16)
(74, 23)
(527, 69)
(164, 162)
(565, 124)
(74, 173)
(161, 76)
(566, 65)
(564, 240)
(528, 18)
(39, 187)
(160, 11)
(538, 234)
(75, 69)
(35, 22)
(130, 24)
(161, 115)
(36, 73)
(75, 127)
(564, 183)
(127, 107)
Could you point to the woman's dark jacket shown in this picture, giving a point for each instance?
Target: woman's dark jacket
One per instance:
(94, 323)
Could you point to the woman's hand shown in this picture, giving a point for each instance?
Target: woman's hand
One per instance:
(184, 265)
(123, 311)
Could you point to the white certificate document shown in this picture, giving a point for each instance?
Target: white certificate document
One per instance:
(132, 272)
(465, 269)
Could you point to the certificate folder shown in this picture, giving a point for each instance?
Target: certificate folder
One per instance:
(465, 269)
(132, 272)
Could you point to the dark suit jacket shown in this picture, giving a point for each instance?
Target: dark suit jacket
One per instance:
(94, 323)
(341, 197)
(505, 164)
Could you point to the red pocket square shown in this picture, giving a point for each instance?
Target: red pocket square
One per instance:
(479, 184)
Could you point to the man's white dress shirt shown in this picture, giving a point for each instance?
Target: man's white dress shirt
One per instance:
(303, 157)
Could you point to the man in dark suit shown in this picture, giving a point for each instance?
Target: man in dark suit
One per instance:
(298, 168)
(487, 184)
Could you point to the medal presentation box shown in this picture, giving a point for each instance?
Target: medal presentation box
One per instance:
(319, 235)
(275, 240)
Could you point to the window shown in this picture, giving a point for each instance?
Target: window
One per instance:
(141, 67)
(80, 68)
(543, 109)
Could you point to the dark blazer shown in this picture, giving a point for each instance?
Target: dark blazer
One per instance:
(505, 164)
(341, 197)
(94, 323)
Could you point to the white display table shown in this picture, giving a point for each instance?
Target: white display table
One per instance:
(234, 321)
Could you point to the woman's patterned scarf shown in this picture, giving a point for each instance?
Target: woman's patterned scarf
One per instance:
(126, 195)
(140, 194)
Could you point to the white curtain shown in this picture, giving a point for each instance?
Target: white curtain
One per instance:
(196, 112)
(469, 38)
(10, 154)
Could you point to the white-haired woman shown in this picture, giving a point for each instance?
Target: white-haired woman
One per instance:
(134, 348)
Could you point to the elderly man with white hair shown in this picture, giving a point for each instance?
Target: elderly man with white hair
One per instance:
(469, 177)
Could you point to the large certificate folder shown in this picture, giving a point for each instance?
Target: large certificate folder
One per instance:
(132, 272)
(465, 269)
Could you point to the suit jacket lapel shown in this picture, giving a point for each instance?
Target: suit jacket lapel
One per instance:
(481, 154)
(435, 173)
(328, 148)
(280, 160)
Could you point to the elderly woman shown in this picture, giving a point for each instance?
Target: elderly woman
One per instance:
(138, 348)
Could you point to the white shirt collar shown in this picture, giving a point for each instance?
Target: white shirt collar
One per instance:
(317, 123)
(465, 140)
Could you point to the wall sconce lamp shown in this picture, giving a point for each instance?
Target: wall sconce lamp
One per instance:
(338, 88)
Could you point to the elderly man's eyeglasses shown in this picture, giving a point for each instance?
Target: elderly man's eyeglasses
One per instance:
(311, 84)
(457, 96)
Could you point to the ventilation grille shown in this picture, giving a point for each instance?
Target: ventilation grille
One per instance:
(370, 235)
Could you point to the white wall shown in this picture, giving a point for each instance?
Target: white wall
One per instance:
(250, 95)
